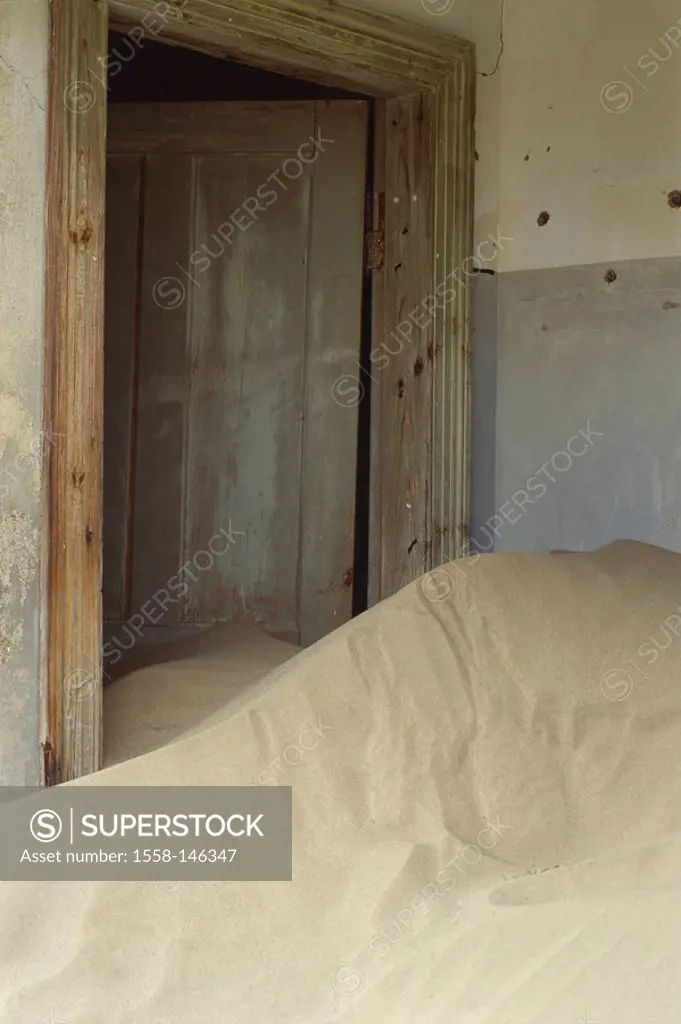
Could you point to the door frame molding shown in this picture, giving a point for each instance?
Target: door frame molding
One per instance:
(424, 86)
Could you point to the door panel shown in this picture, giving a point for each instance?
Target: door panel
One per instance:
(329, 466)
(162, 390)
(123, 194)
(242, 333)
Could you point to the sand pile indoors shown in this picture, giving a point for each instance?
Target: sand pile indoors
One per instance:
(486, 832)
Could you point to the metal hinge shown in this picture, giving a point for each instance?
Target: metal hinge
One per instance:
(374, 239)
(375, 249)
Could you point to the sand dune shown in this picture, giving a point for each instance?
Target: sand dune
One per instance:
(487, 832)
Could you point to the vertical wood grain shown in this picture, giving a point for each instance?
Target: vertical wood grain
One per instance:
(332, 371)
(379, 330)
(246, 391)
(454, 112)
(402, 362)
(74, 357)
(123, 197)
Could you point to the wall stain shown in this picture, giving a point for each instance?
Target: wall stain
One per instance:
(344, 583)
(19, 542)
(18, 567)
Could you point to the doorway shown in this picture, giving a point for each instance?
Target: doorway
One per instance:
(234, 262)
(423, 87)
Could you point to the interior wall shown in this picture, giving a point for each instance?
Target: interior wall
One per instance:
(23, 96)
(576, 322)
(579, 331)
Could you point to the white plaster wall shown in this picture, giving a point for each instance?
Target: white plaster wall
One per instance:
(598, 82)
(588, 92)
(586, 314)
(23, 95)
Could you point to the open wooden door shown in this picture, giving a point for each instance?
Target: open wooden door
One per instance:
(234, 284)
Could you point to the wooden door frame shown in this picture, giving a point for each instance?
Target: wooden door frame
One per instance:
(424, 87)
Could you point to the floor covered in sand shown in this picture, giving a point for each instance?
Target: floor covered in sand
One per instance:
(487, 832)
(174, 689)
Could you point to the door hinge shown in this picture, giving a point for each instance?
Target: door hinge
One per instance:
(375, 249)
(374, 239)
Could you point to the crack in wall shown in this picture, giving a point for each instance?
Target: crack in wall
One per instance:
(22, 78)
(492, 73)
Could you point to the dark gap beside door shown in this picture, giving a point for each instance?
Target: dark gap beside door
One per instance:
(362, 495)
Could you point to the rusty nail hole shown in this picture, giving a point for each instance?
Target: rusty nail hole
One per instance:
(400, 388)
(89, 535)
(405, 231)
(418, 367)
(431, 351)
(610, 276)
(526, 157)
(348, 578)
(543, 218)
(394, 124)
(398, 266)
(544, 327)
(674, 199)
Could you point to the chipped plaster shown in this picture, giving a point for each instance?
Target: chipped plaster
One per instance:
(23, 91)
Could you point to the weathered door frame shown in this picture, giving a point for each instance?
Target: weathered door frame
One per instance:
(424, 86)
